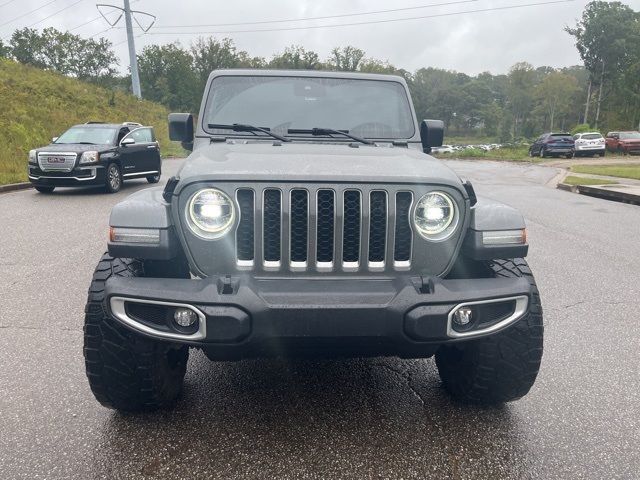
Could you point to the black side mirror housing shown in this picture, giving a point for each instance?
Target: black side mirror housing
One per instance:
(431, 134)
(181, 129)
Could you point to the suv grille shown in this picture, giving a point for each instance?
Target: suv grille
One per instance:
(324, 229)
(57, 162)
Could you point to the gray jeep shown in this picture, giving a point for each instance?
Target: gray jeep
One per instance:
(310, 220)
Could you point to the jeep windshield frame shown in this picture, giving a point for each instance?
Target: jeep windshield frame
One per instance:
(375, 109)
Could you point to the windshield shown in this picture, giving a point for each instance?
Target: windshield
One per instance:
(88, 135)
(366, 108)
(630, 136)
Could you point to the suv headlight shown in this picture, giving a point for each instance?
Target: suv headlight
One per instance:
(435, 216)
(210, 213)
(89, 157)
(33, 157)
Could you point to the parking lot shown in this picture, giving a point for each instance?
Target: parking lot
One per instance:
(373, 418)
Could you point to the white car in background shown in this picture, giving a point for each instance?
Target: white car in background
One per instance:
(589, 144)
(443, 149)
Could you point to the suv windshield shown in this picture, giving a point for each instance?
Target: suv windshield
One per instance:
(97, 135)
(630, 136)
(366, 108)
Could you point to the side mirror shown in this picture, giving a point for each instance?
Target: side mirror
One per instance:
(181, 129)
(431, 134)
(127, 141)
(53, 140)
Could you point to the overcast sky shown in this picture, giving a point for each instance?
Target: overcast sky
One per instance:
(470, 42)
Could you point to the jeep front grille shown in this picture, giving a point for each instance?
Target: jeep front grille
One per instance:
(57, 162)
(324, 229)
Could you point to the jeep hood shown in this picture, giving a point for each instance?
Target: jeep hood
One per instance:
(304, 162)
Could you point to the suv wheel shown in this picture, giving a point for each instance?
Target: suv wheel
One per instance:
(501, 367)
(127, 371)
(44, 189)
(154, 178)
(114, 178)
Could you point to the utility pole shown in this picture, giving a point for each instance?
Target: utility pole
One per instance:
(133, 60)
(129, 15)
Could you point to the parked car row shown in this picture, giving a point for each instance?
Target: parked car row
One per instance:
(96, 153)
(585, 144)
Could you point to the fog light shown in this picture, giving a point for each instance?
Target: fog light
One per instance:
(185, 317)
(462, 316)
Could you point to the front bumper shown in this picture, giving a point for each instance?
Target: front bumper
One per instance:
(79, 176)
(251, 317)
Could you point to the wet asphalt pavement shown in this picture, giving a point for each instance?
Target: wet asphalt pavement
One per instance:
(375, 418)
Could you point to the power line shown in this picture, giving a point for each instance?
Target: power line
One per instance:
(325, 17)
(28, 13)
(370, 22)
(55, 13)
(7, 3)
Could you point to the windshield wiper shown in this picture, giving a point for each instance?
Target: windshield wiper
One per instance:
(85, 143)
(330, 131)
(238, 127)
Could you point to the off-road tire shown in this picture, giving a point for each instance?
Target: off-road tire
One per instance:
(501, 367)
(44, 189)
(127, 371)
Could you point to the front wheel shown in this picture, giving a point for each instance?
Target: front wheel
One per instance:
(127, 371)
(154, 178)
(501, 367)
(113, 182)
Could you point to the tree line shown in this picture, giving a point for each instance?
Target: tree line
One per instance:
(604, 92)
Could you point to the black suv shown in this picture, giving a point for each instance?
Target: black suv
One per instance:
(96, 154)
(553, 145)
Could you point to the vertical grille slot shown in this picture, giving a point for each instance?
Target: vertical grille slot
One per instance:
(245, 233)
(326, 226)
(378, 227)
(403, 233)
(351, 234)
(299, 225)
(272, 225)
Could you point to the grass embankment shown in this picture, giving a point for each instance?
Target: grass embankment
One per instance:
(36, 105)
(510, 154)
(622, 171)
(573, 180)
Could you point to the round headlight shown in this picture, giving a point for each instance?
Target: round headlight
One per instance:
(435, 216)
(210, 213)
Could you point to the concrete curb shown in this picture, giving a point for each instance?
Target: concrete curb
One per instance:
(12, 187)
(568, 188)
(610, 194)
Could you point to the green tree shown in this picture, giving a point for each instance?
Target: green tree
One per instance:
(521, 81)
(606, 37)
(345, 58)
(167, 76)
(63, 52)
(555, 94)
(5, 50)
(296, 57)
